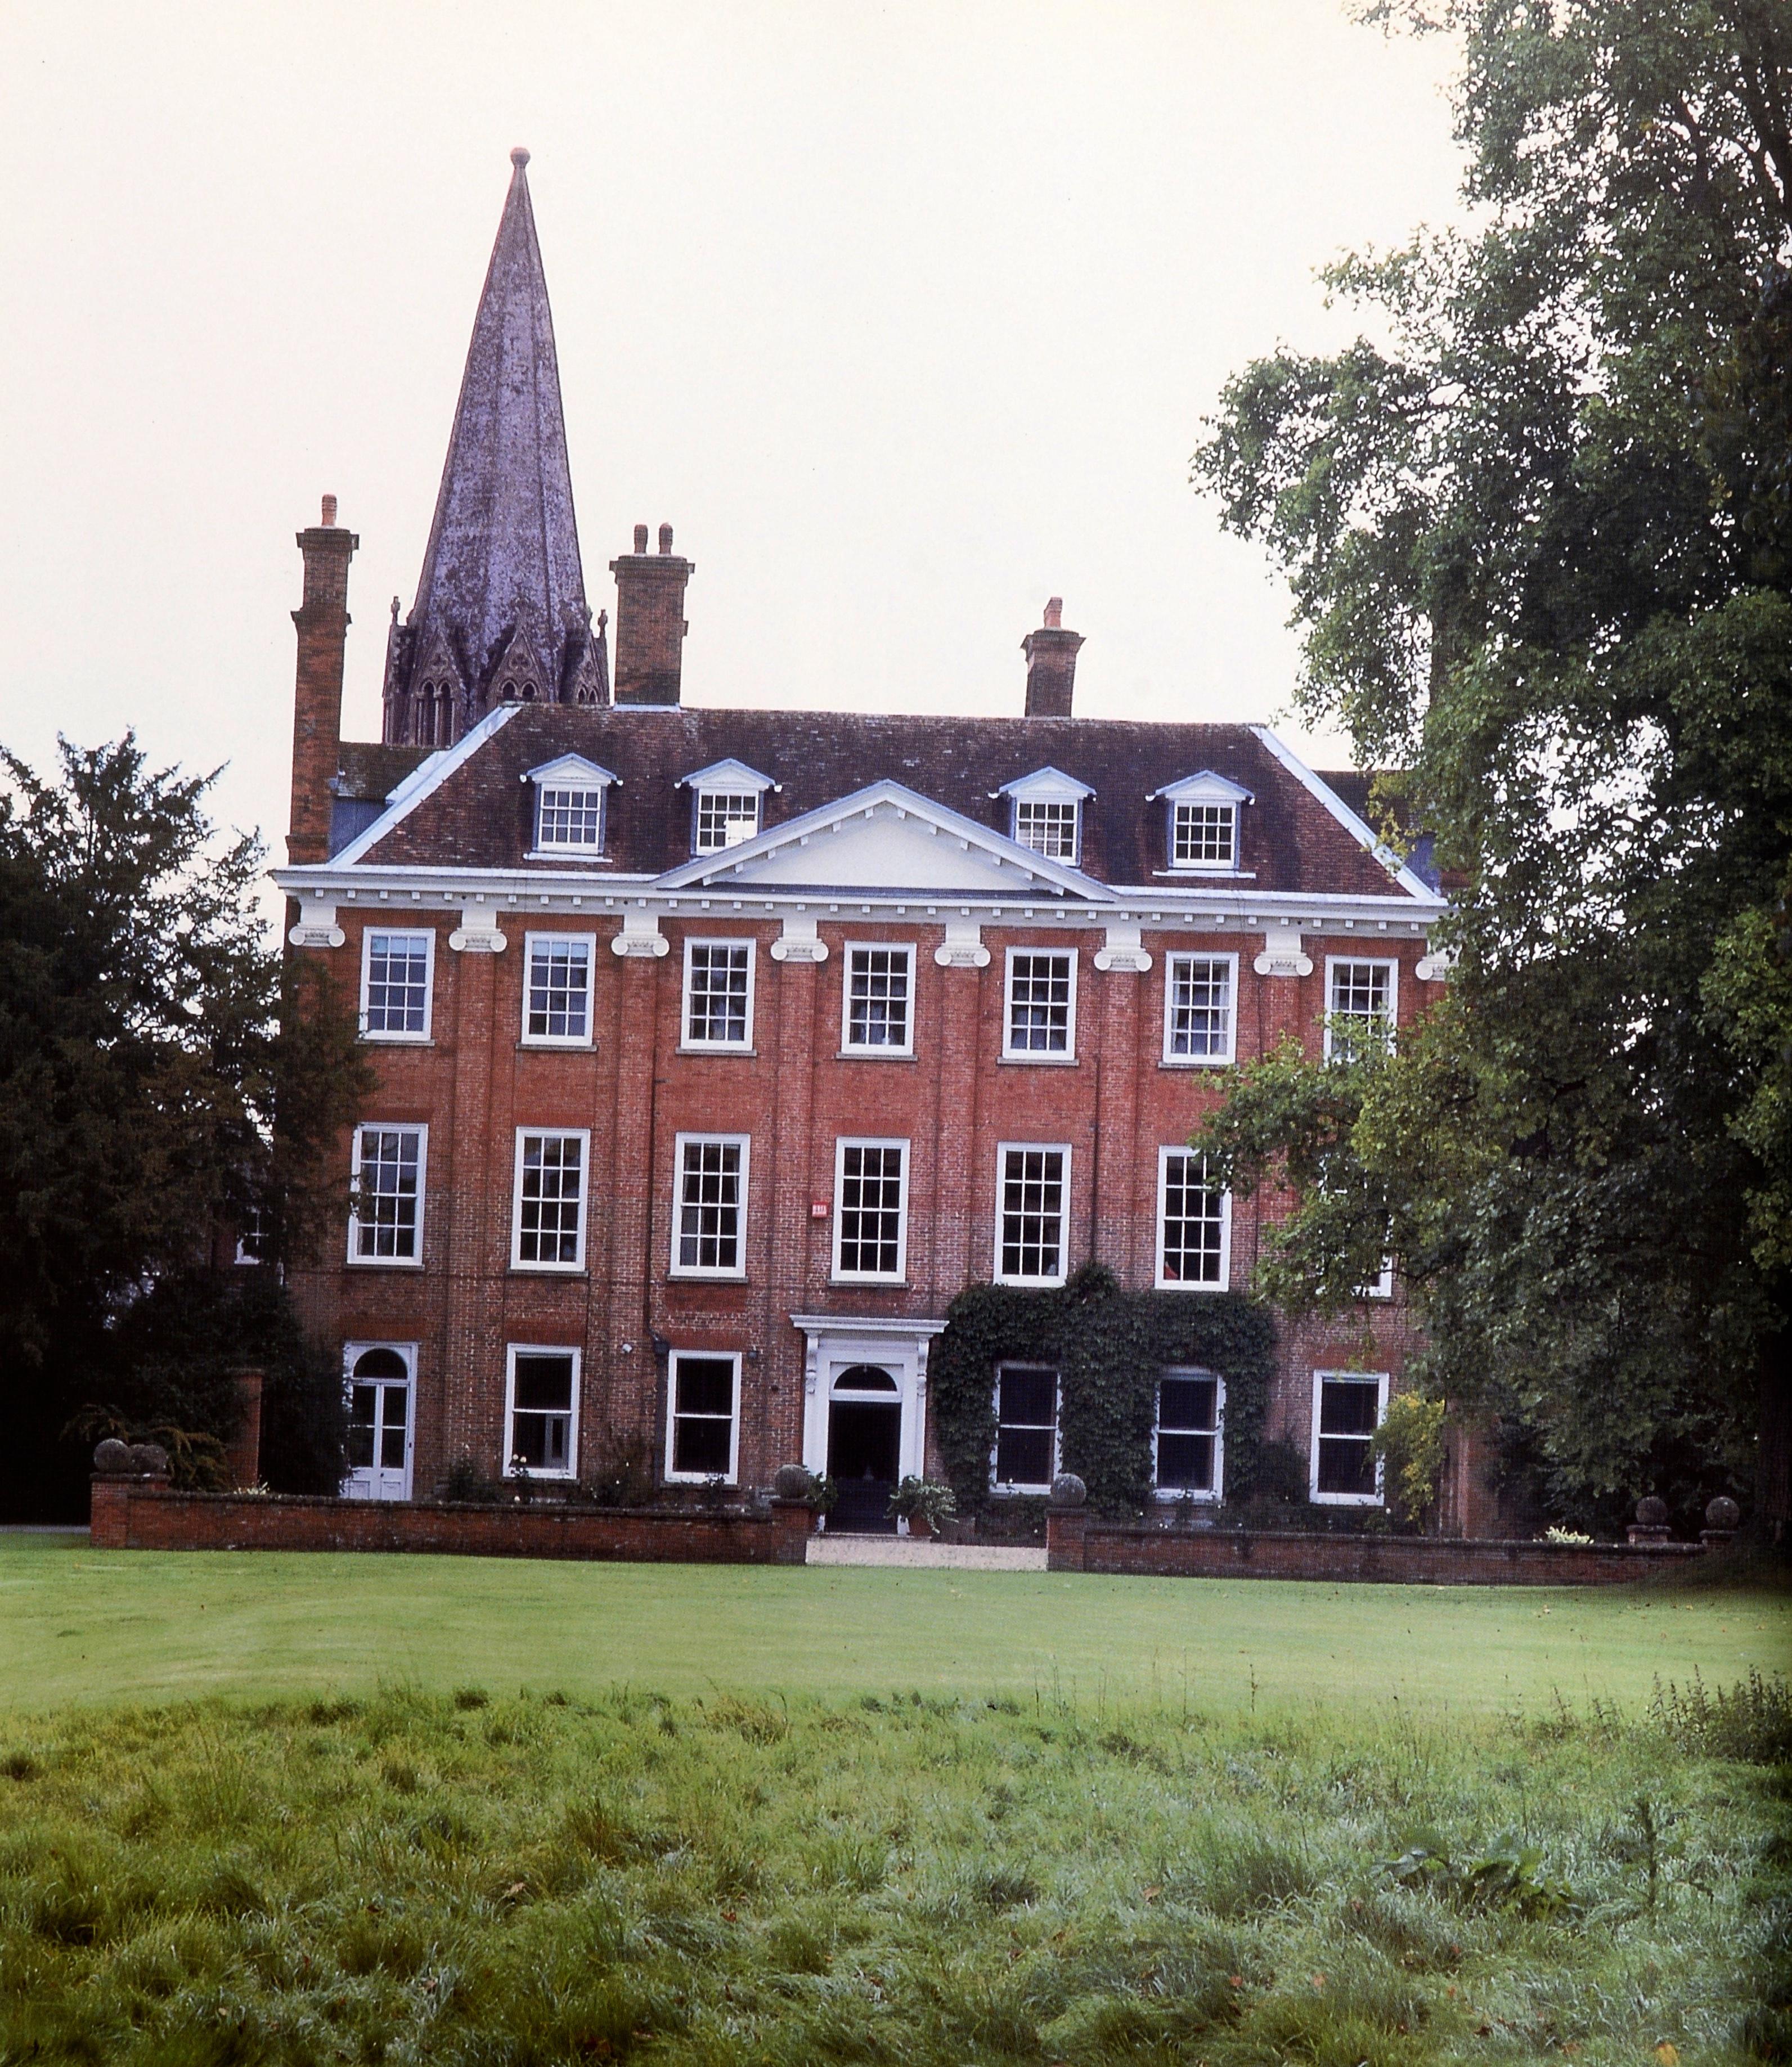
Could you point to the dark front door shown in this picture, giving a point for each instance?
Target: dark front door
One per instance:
(863, 1444)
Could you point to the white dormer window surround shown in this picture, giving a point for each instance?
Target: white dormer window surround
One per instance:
(727, 805)
(570, 796)
(1046, 814)
(1204, 823)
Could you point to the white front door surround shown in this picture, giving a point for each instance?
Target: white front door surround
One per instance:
(834, 1344)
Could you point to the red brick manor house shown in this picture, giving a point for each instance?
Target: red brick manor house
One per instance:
(717, 1050)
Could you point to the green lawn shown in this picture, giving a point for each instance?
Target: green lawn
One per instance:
(78, 1625)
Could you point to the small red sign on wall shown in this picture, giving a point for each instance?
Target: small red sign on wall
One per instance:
(818, 1209)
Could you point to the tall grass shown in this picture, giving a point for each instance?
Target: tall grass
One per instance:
(477, 1879)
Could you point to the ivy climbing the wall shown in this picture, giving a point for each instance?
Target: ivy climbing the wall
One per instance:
(1108, 1347)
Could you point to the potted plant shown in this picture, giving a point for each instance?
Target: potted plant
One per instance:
(924, 1504)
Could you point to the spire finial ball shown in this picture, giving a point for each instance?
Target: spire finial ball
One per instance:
(519, 157)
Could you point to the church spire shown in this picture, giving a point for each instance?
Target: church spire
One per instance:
(500, 611)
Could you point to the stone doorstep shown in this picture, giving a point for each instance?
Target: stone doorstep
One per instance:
(905, 1551)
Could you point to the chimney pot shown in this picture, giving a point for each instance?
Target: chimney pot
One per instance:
(640, 538)
(666, 538)
(329, 513)
(1054, 613)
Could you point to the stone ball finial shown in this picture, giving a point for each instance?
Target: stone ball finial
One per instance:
(519, 157)
(792, 1482)
(1722, 1512)
(1651, 1510)
(111, 1456)
(1068, 1490)
(150, 1459)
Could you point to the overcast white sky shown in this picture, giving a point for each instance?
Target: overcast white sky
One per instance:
(905, 317)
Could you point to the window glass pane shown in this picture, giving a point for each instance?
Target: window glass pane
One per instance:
(1186, 1462)
(363, 1405)
(1194, 1223)
(700, 1444)
(1348, 1407)
(1047, 828)
(1203, 834)
(705, 1385)
(544, 1382)
(877, 998)
(1039, 1004)
(710, 1206)
(716, 993)
(1200, 1005)
(1033, 1212)
(397, 983)
(386, 1211)
(570, 817)
(550, 1198)
(871, 1209)
(1187, 1402)
(725, 819)
(559, 990)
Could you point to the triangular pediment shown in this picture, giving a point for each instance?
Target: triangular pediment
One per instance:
(888, 838)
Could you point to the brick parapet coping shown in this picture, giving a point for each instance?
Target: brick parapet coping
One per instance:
(1075, 1541)
(147, 1514)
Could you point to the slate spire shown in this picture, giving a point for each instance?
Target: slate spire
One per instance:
(500, 613)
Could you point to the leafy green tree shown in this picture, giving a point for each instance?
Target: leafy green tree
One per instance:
(150, 1102)
(1539, 531)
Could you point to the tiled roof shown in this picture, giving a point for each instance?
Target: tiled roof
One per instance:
(480, 815)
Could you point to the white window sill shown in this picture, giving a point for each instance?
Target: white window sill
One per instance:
(697, 1479)
(1346, 1499)
(548, 1269)
(1031, 1284)
(398, 1040)
(715, 1048)
(1190, 1285)
(1020, 1492)
(1175, 1495)
(1217, 874)
(874, 1055)
(1040, 1057)
(564, 1043)
(385, 1263)
(686, 1275)
(886, 1284)
(570, 854)
(1196, 1063)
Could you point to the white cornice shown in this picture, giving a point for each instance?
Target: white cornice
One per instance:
(1183, 908)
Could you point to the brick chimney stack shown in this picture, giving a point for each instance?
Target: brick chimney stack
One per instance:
(1051, 654)
(323, 621)
(650, 621)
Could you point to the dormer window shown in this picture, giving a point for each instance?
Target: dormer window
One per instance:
(1204, 823)
(1046, 814)
(727, 807)
(570, 796)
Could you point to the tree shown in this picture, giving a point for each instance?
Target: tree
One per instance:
(149, 1098)
(1539, 538)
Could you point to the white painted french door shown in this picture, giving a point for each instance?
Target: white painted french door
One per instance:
(381, 1421)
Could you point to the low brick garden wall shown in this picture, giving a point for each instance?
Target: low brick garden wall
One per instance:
(147, 1514)
(1076, 1541)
